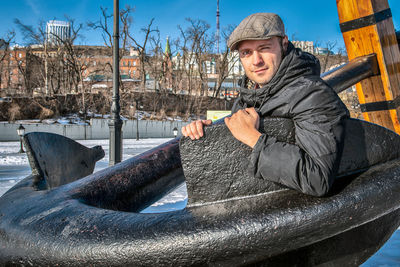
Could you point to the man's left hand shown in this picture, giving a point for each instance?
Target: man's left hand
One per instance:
(244, 126)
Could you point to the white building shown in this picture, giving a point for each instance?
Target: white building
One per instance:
(235, 67)
(210, 66)
(306, 46)
(323, 51)
(57, 31)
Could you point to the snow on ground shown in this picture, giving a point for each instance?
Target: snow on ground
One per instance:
(14, 167)
(78, 118)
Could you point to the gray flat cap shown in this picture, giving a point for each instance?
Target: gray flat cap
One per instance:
(258, 26)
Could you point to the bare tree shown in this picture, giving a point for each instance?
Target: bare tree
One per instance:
(141, 48)
(21, 64)
(62, 66)
(196, 45)
(75, 61)
(326, 56)
(160, 67)
(225, 62)
(105, 26)
(5, 43)
(32, 35)
(155, 62)
(36, 36)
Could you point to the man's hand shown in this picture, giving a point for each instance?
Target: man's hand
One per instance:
(244, 126)
(195, 129)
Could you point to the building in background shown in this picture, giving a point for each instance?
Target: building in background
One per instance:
(235, 66)
(306, 46)
(23, 69)
(20, 71)
(323, 51)
(57, 31)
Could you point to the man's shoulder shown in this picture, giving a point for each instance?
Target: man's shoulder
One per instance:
(308, 83)
(311, 91)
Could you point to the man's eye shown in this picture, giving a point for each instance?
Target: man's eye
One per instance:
(244, 53)
(265, 48)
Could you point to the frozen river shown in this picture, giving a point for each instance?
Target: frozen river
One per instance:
(15, 166)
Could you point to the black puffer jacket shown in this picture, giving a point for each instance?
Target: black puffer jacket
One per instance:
(297, 91)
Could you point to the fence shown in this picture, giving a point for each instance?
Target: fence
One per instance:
(98, 129)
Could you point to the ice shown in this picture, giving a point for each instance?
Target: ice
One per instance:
(64, 121)
(49, 121)
(13, 160)
(9, 148)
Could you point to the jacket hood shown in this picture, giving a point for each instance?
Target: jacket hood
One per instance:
(294, 64)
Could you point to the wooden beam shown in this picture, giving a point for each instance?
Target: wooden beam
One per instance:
(367, 27)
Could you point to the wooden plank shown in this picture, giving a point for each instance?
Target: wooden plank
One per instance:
(350, 9)
(372, 89)
(391, 55)
(377, 38)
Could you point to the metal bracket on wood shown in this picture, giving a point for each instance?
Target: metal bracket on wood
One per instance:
(381, 105)
(365, 21)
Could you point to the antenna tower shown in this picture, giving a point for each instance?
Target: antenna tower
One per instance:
(217, 27)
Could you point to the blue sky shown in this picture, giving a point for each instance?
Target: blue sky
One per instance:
(310, 20)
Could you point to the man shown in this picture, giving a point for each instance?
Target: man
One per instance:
(282, 81)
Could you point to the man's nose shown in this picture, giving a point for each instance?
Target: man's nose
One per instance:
(257, 58)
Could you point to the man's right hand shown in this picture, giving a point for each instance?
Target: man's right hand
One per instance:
(194, 130)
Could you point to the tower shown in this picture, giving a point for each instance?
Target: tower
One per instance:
(167, 66)
(167, 51)
(217, 27)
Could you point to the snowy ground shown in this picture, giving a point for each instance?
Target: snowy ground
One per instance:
(14, 167)
(77, 119)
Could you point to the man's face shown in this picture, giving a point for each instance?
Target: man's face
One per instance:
(261, 58)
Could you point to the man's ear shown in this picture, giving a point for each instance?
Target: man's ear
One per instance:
(285, 43)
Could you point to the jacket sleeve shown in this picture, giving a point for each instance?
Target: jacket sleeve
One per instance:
(311, 164)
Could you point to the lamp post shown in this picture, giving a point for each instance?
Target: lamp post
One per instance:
(227, 100)
(115, 123)
(175, 130)
(137, 118)
(21, 132)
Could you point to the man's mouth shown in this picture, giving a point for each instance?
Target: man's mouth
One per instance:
(260, 70)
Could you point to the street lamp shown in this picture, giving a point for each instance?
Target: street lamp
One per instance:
(227, 100)
(115, 123)
(21, 132)
(175, 130)
(137, 118)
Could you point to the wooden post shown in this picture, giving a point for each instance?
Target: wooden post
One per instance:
(367, 27)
